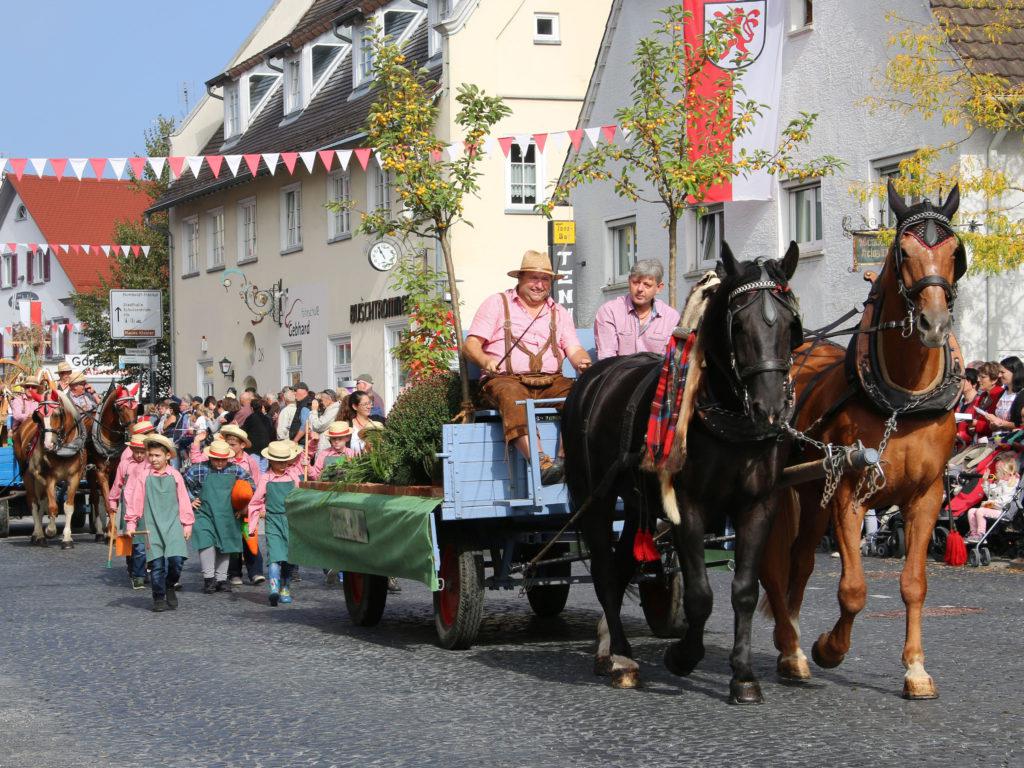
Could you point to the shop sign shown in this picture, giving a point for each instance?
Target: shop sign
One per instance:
(377, 310)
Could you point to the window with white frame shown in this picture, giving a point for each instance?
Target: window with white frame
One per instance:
(7, 275)
(710, 231)
(38, 267)
(215, 234)
(293, 85)
(341, 359)
(437, 10)
(260, 86)
(362, 65)
(247, 230)
(21, 213)
(396, 374)
(801, 13)
(379, 192)
(623, 249)
(291, 217)
(523, 177)
(291, 360)
(232, 110)
(804, 203)
(190, 245)
(396, 23)
(339, 192)
(323, 56)
(884, 170)
(545, 29)
(60, 336)
(204, 377)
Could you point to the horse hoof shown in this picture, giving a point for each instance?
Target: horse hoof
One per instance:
(819, 657)
(51, 531)
(67, 545)
(679, 663)
(40, 542)
(626, 678)
(793, 667)
(745, 692)
(603, 666)
(919, 688)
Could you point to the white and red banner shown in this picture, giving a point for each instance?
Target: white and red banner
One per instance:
(757, 29)
(31, 312)
(79, 249)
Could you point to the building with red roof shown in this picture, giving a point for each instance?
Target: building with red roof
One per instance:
(47, 221)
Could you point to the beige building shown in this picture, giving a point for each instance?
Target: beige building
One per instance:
(263, 274)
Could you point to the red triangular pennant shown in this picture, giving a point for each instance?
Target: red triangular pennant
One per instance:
(59, 164)
(435, 155)
(506, 142)
(289, 159)
(98, 164)
(363, 156)
(176, 163)
(540, 139)
(18, 164)
(215, 161)
(138, 165)
(76, 249)
(136, 250)
(608, 131)
(576, 137)
(13, 247)
(326, 157)
(252, 162)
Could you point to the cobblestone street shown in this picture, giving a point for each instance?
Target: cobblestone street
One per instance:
(88, 676)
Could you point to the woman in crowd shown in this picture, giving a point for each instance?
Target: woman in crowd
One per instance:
(1006, 415)
(989, 392)
(325, 409)
(968, 401)
(360, 404)
(287, 413)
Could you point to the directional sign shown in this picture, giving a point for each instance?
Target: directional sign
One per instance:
(136, 315)
(124, 360)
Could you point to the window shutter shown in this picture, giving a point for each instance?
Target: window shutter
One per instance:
(46, 266)
(29, 258)
(14, 268)
(65, 339)
(2, 346)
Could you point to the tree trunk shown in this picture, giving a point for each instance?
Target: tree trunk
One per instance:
(673, 220)
(453, 289)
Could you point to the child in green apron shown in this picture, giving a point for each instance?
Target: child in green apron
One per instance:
(268, 502)
(166, 511)
(117, 502)
(216, 533)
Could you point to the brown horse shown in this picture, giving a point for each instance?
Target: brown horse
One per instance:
(906, 372)
(51, 447)
(108, 430)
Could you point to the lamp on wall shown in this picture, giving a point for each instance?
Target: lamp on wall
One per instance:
(203, 346)
(227, 369)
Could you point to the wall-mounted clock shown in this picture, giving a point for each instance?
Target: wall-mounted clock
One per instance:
(383, 255)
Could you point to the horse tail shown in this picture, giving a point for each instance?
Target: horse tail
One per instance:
(775, 562)
(668, 497)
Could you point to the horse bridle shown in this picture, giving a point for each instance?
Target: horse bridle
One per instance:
(62, 448)
(922, 226)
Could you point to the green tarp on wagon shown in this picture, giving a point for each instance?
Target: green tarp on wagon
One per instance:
(363, 533)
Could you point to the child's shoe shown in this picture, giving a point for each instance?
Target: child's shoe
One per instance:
(258, 579)
(223, 586)
(286, 595)
(209, 586)
(159, 605)
(138, 582)
(275, 591)
(172, 599)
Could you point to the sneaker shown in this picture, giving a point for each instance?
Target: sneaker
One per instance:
(258, 579)
(177, 585)
(393, 585)
(172, 599)
(209, 586)
(275, 591)
(159, 605)
(834, 554)
(236, 581)
(286, 595)
(224, 586)
(138, 582)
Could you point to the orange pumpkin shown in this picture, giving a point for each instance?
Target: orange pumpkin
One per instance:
(241, 495)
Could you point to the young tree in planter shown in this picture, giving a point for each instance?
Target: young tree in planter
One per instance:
(431, 189)
(681, 132)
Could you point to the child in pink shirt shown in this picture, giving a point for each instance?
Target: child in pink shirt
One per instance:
(118, 500)
(338, 434)
(268, 503)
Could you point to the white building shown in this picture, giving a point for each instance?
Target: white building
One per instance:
(831, 52)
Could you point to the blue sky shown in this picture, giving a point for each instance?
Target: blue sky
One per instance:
(84, 78)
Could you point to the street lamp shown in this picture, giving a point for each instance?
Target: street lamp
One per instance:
(226, 369)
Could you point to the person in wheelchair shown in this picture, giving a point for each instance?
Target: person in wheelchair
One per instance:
(519, 338)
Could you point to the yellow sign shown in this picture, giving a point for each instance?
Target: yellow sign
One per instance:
(564, 232)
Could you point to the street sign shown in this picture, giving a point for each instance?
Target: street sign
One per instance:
(136, 315)
(123, 360)
(563, 232)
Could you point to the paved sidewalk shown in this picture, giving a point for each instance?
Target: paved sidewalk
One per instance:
(89, 677)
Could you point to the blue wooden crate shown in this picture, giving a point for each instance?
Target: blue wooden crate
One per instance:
(10, 475)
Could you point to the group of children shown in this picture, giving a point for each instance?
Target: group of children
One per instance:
(216, 505)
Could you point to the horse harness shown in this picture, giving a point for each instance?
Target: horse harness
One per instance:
(105, 448)
(63, 450)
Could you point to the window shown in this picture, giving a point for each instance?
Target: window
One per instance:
(623, 237)
(338, 191)
(247, 230)
(396, 23)
(190, 238)
(545, 29)
(323, 56)
(436, 12)
(21, 214)
(259, 87)
(362, 68)
(215, 233)
(805, 216)
(9, 269)
(341, 359)
(885, 170)
(60, 337)
(380, 188)
(293, 85)
(801, 14)
(524, 177)
(204, 377)
(291, 356)
(291, 218)
(37, 267)
(232, 110)
(710, 230)
(396, 375)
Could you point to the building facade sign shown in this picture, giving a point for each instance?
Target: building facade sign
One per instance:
(377, 310)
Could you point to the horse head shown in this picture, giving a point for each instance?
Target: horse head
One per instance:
(754, 322)
(927, 258)
(126, 403)
(53, 416)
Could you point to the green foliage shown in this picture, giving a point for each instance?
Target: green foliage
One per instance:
(428, 347)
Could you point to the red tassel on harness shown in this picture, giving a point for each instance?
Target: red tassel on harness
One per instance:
(956, 550)
(644, 550)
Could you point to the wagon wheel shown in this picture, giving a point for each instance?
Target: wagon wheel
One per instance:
(549, 599)
(5, 519)
(365, 597)
(458, 606)
(662, 599)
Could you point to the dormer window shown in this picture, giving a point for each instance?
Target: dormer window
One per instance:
(396, 22)
(293, 85)
(232, 110)
(363, 69)
(21, 213)
(437, 10)
(259, 87)
(323, 58)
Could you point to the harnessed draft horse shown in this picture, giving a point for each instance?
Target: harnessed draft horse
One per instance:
(51, 447)
(108, 431)
(735, 453)
(894, 387)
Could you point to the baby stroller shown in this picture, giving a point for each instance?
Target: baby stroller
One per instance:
(889, 539)
(964, 473)
(1005, 533)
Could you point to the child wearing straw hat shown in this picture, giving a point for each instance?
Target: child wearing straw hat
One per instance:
(338, 433)
(166, 510)
(119, 499)
(268, 502)
(139, 430)
(25, 404)
(216, 533)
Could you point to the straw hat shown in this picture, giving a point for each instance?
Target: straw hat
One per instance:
(281, 450)
(30, 381)
(339, 429)
(137, 442)
(218, 449)
(163, 442)
(535, 261)
(373, 426)
(64, 368)
(143, 427)
(78, 378)
(232, 430)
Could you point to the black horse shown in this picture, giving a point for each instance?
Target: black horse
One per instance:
(735, 453)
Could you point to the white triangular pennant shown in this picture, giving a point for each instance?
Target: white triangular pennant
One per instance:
(124, 250)
(491, 145)
(64, 247)
(344, 155)
(557, 141)
(376, 156)
(85, 248)
(593, 134)
(233, 161)
(39, 164)
(145, 250)
(452, 150)
(270, 158)
(78, 166)
(3, 164)
(117, 165)
(195, 164)
(157, 164)
(523, 140)
(106, 250)
(308, 160)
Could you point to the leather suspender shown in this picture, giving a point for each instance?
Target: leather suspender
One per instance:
(536, 360)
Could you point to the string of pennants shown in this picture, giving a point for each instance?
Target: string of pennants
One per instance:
(218, 164)
(79, 249)
(8, 331)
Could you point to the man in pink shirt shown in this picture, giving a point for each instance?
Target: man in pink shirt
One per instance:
(636, 322)
(519, 338)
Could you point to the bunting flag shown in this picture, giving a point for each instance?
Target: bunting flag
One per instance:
(74, 248)
(195, 164)
(363, 156)
(344, 155)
